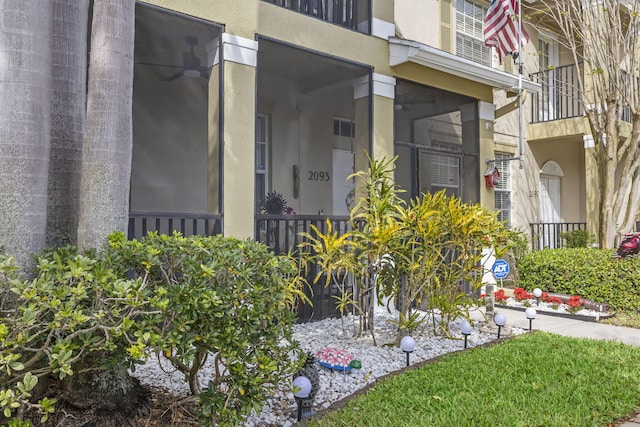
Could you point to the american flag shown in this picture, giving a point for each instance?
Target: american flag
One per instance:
(501, 27)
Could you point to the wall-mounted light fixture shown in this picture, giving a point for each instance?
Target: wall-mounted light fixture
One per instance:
(296, 181)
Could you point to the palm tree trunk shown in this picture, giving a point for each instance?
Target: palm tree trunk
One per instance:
(25, 88)
(69, 89)
(106, 157)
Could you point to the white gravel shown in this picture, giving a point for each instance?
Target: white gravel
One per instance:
(376, 361)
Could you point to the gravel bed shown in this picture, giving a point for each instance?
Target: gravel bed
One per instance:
(376, 361)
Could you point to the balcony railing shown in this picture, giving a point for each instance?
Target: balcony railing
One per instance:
(281, 233)
(352, 14)
(140, 223)
(560, 97)
(548, 235)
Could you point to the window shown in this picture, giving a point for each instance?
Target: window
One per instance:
(503, 189)
(262, 150)
(344, 127)
(469, 39)
(445, 174)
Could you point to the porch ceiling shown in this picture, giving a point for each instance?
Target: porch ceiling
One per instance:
(311, 70)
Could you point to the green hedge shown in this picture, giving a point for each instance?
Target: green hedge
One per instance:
(588, 272)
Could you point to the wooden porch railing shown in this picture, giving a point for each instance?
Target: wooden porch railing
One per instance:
(140, 223)
(545, 235)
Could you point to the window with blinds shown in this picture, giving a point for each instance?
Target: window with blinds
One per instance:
(445, 174)
(469, 40)
(503, 190)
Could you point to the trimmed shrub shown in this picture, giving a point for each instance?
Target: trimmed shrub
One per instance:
(588, 272)
(191, 299)
(76, 319)
(576, 238)
(224, 299)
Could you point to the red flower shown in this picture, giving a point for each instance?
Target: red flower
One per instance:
(520, 294)
(554, 300)
(575, 301)
(500, 296)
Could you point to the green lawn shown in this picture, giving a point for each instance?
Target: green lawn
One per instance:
(537, 379)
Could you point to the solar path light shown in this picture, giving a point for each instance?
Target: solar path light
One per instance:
(465, 329)
(407, 344)
(500, 320)
(530, 312)
(537, 292)
(301, 390)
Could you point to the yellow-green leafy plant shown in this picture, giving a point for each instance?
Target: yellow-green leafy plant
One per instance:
(421, 255)
(440, 257)
(352, 260)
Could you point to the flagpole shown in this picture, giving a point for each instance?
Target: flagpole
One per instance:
(521, 57)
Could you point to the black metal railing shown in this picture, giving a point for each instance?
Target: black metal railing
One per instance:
(282, 233)
(560, 97)
(141, 223)
(548, 235)
(352, 14)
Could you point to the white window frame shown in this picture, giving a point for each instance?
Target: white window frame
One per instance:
(469, 21)
(547, 60)
(261, 146)
(502, 190)
(450, 164)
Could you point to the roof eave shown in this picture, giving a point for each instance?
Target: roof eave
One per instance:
(402, 51)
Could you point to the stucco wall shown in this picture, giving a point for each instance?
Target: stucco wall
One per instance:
(419, 21)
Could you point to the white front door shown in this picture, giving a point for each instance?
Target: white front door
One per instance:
(343, 189)
(550, 210)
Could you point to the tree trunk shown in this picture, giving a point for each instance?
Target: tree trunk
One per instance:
(106, 156)
(25, 88)
(69, 88)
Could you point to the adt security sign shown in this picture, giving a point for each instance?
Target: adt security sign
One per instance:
(500, 269)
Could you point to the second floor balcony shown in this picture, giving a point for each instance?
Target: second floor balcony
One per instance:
(560, 97)
(352, 14)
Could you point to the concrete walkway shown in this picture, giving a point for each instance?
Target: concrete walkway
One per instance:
(571, 327)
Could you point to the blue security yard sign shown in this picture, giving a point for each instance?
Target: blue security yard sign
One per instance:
(500, 269)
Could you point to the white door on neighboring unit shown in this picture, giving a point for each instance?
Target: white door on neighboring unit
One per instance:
(549, 210)
(548, 61)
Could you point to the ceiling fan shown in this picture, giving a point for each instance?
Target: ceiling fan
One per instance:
(191, 64)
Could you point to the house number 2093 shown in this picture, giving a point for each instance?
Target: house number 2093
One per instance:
(318, 176)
